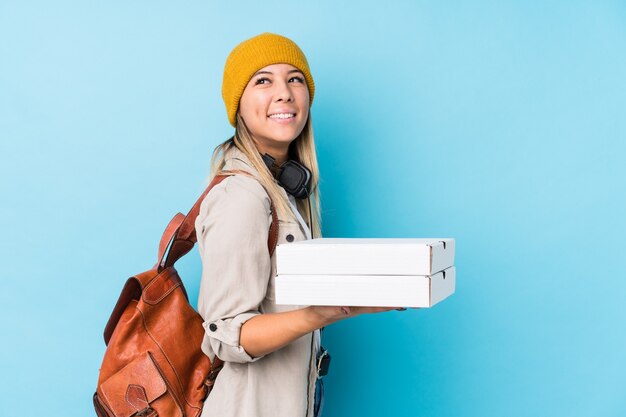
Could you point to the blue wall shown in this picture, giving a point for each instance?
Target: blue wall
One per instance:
(501, 124)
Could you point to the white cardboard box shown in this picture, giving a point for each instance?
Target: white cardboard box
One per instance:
(372, 256)
(366, 290)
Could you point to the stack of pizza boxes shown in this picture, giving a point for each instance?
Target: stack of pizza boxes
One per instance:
(371, 272)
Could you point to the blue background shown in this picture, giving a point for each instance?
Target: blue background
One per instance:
(501, 124)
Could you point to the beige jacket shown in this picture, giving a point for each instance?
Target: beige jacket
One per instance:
(237, 284)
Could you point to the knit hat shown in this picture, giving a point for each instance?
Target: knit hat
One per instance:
(253, 54)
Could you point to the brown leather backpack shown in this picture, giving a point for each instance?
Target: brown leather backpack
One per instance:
(153, 365)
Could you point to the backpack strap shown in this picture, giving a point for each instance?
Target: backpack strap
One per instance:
(180, 234)
(169, 232)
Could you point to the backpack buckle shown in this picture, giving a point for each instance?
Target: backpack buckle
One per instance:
(146, 412)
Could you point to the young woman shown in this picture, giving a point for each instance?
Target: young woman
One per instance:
(270, 351)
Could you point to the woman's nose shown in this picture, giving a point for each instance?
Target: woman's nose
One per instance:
(283, 92)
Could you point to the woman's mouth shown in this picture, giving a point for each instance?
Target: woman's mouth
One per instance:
(282, 117)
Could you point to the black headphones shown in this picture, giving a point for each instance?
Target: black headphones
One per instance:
(294, 177)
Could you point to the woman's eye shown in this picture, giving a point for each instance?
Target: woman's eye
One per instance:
(262, 81)
(298, 79)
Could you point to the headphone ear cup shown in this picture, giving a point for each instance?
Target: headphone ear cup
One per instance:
(295, 178)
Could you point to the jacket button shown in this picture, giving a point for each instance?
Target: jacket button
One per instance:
(212, 327)
(290, 238)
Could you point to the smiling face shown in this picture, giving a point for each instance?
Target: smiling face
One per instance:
(275, 107)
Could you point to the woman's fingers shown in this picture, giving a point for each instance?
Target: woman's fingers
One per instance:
(364, 310)
(331, 314)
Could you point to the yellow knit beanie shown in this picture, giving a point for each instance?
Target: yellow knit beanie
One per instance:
(253, 54)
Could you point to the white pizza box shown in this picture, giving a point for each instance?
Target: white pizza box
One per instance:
(366, 290)
(369, 256)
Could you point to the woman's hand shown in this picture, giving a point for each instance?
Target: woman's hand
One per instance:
(331, 314)
(267, 332)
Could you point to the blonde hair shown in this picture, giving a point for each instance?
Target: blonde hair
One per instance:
(302, 149)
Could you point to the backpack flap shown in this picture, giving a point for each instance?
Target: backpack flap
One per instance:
(134, 388)
(131, 291)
